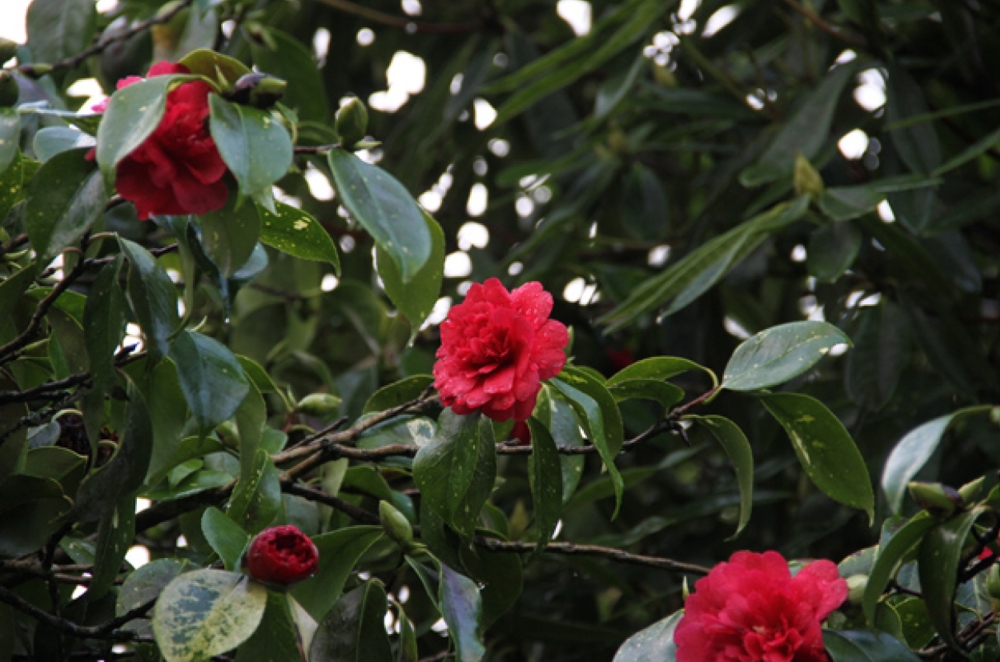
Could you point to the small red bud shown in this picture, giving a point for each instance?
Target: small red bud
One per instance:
(281, 555)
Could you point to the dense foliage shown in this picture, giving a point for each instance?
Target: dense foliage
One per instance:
(733, 278)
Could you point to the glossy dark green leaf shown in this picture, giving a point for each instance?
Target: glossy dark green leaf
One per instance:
(64, 200)
(212, 379)
(399, 393)
(255, 146)
(354, 630)
(666, 394)
(11, 179)
(143, 585)
(133, 113)
(13, 433)
(461, 607)
(286, 57)
(54, 140)
(297, 233)
(545, 478)
(385, 209)
(250, 418)
(225, 536)
(804, 132)
(889, 556)
(456, 472)
(205, 613)
(656, 642)
(917, 145)
(699, 270)
(555, 413)
(257, 501)
(58, 29)
(824, 448)
(104, 322)
(115, 535)
(909, 456)
(501, 581)
(153, 299)
(776, 355)
(866, 646)
(10, 131)
(832, 250)
(849, 202)
(735, 444)
(657, 367)
(416, 298)
(339, 552)
(598, 413)
(881, 352)
(214, 66)
(285, 633)
(939, 559)
(30, 513)
(229, 235)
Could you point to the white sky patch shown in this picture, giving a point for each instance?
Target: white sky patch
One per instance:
(578, 13)
(411, 7)
(853, 144)
(473, 234)
(722, 17)
(137, 556)
(405, 76)
(12, 24)
(321, 45)
(499, 147)
(479, 198)
(329, 283)
(870, 92)
(438, 313)
(319, 185)
(485, 113)
(735, 329)
(658, 256)
(457, 265)
(687, 9)
(885, 212)
(524, 206)
(366, 37)
(799, 253)
(580, 291)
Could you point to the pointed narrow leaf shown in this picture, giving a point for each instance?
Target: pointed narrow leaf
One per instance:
(416, 298)
(104, 322)
(205, 613)
(297, 233)
(657, 367)
(386, 209)
(654, 643)
(64, 200)
(461, 607)
(339, 552)
(10, 130)
(824, 448)
(889, 556)
(909, 456)
(284, 634)
(881, 352)
(354, 630)
(734, 442)
(153, 298)
(779, 354)
(866, 646)
(226, 537)
(545, 478)
(212, 379)
(257, 500)
(229, 235)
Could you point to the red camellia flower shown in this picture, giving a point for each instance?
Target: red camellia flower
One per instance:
(178, 169)
(751, 609)
(496, 347)
(281, 555)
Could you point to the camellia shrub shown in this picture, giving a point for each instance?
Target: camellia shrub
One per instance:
(517, 331)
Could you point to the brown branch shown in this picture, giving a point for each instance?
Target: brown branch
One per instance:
(817, 20)
(354, 512)
(108, 630)
(75, 60)
(400, 21)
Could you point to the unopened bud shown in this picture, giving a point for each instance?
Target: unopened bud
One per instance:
(939, 499)
(807, 179)
(8, 49)
(229, 434)
(395, 524)
(281, 556)
(856, 585)
(8, 89)
(319, 405)
(258, 90)
(352, 122)
(993, 582)
(970, 491)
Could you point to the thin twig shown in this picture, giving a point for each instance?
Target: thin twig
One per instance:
(400, 21)
(108, 630)
(818, 21)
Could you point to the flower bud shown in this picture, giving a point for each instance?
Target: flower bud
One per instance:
(258, 90)
(942, 501)
(228, 434)
(806, 178)
(8, 89)
(281, 555)
(352, 122)
(993, 583)
(856, 585)
(318, 404)
(8, 49)
(395, 524)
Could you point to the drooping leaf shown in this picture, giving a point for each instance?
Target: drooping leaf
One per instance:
(779, 354)
(824, 448)
(354, 630)
(153, 299)
(908, 457)
(416, 298)
(735, 444)
(115, 535)
(212, 379)
(257, 500)
(104, 322)
(889, 556)
(225, 536)
(866, 646)
(229, 235)
(461, 607)
(297, 233)
(205, 613)
(656, 642)
(386, 209)
(545, 478)
(339, 552)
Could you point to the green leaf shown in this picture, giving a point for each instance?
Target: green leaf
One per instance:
(104, 323)
(143, 585)
(385, 209)
(54, 140)
(115, 535)
(832, 250)
(225, 536)
(500, 576)
(461, 608)
(657, 367)
(133, 113)
(251, 419)
(779, 354)
(916, 145)
(666, 394)
(284, 56)
(416, 298)
(58, 29)
(939, 559)
(214, 66)
(257, 501)
(805, 132)
(297, 233)
(212, 379)
(556, 414)
(654, 643)
(11, 189)
(339, 552)
(734, 442)
(881, 352)
(699, 270)
(13, 434)
(890, 555)
(599, 418)
(909, 456)
(63, 201)
(866, 646)
(824, 448)
(456, 472)
(153, 298)
(354, 630)
(229, 235)
(285, 633)
(398, 393)
(10, 132)
(255, 146)
(645, 213)
(205, 613)
(545, 479)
